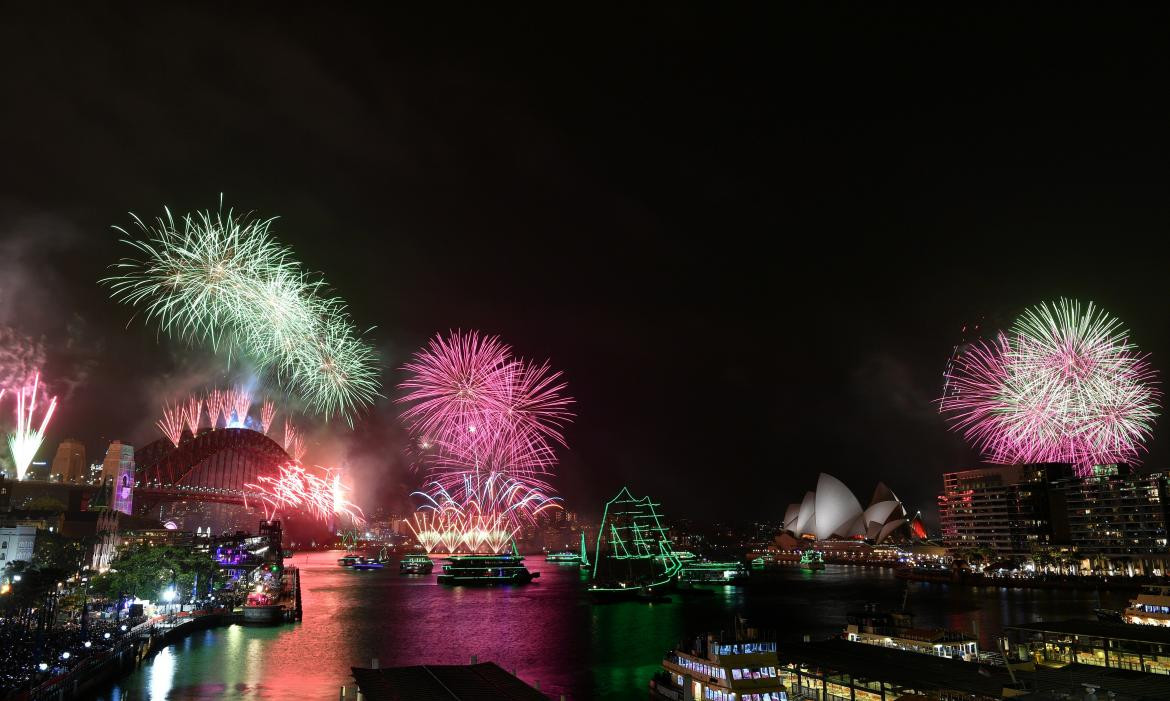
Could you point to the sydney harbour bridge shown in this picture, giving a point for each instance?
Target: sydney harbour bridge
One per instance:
(211, 466)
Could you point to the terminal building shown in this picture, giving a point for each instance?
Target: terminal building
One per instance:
(1111, 521)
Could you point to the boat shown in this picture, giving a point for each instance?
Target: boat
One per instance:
(812, 560)
(486, 570)
(415, 563)
(706, 572)
(564, 557)
(742, 666)
(895, 629)
(261, 607)
(348, 560)
(1151, 607)
(635, 559)
(364, 564)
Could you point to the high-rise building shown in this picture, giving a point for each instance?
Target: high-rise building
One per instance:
(118, 470)
(1111, 520)
(1116, 518)
(69, 462)
(1004, 509)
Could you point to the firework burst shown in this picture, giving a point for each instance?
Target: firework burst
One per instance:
(224, 280)
(1064, 385)
(294, 488)
(485, 425)
(192, 412)
(26, 441)
(294, 443)
(267, 413)
(171, 424)
(241, 401)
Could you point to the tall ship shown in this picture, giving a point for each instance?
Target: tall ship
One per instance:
(634, 558)
(486, 570)
(741, 666)
(1151, 607)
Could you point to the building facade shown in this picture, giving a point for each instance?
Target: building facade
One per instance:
(17, 543)
(1112, 521)
(1003, 509)
(69, 463)
(118, 470)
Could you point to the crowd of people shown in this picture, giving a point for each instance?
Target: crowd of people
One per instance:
(29, 656)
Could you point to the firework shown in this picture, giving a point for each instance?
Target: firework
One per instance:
(241, 401)
(485, 425)
(218, 406)
(294, 444)
(480, 510)
(191, 413)
(225, 281)
(26, 441)
(267, 413)
(171, 424)
(1064, 385)
(471, 399)
(295, 488)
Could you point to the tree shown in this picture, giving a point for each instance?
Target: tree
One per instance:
(145, 572)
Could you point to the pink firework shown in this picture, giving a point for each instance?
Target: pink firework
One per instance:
(295, 488)
(171, 424)
(241, 401)
(267, 413)
(1064, 386)
(468, 397)
(294, 443)
(192, 413)
(486, 425)
(218, 406)
(452, 383)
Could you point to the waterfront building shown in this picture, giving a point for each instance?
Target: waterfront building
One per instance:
(1140, 648)
(832, 511)
(1003, 509)
(118, 471)
(840, 670)
(17, 543)
(1116, 519)
(1110, 521)
(69, 463)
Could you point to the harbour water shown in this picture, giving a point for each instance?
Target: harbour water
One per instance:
(547, 632)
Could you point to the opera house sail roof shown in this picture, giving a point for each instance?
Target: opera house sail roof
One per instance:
(832, 511)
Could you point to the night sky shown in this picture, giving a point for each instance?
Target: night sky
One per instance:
(748, 238)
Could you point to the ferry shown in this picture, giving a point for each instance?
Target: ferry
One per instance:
(262, 607)
(713, 573)
(364, 564)
(1151, 607)
(563, 557)
(486, 570)
(812, 560)
(744, 668)
(895, 629)
(348, 560)
(415, 563)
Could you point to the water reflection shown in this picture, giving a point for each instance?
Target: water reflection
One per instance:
(547, 632)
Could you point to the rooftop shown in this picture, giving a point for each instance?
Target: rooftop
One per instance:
(918, 671)
(485, 681)
(1099, 629)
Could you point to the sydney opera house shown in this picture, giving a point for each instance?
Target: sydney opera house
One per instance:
(832, 512)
